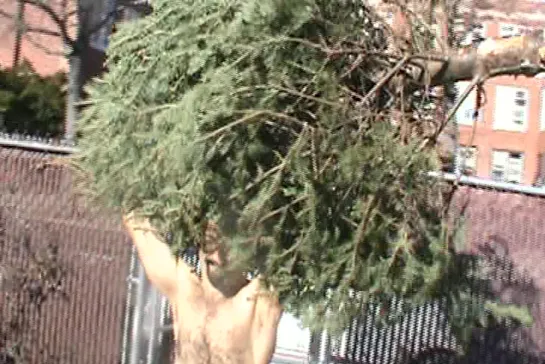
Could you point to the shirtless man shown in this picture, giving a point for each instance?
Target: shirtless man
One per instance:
(219, 318)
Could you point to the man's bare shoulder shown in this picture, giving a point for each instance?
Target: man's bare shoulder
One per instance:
(265, 298)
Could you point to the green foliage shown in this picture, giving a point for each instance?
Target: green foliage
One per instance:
(241, 111)
(31, 104)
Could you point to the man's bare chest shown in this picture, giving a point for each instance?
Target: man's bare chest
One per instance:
(213, 332)
(215, 320)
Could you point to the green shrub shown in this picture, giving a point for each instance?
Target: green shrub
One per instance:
(31, 104)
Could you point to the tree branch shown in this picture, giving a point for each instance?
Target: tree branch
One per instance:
(43, 48)
(497, 58)
(61, 23)
(63, 29)
(43, 31)
(6, 14)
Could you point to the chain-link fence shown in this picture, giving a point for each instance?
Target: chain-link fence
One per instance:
(63, 267)
(65, 296)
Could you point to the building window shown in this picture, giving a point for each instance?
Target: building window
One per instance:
(467, 159)
(507, 166)
(464, 115)
(542, 111)
(480, 32)
(511, 109)
(509, 30)
(540, 177)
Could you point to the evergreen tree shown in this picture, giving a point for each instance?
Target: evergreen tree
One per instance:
(279, 121)
(31, 104)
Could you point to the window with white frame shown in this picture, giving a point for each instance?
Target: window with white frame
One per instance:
(467, 159)
(480, 31)
(464, 115)
(512, 107)
(542, 111)
(507, 166)
(509, 30)
(459, 25)
(474, 36)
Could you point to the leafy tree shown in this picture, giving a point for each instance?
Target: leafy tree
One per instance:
(302, 130)
(31, 104)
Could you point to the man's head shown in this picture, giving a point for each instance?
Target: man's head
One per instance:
(214, 257)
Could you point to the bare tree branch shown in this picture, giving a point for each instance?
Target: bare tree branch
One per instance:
(43, 31)
(7, 15)
(43, 48)
(28, 28)
(62, 24)
(63, 29)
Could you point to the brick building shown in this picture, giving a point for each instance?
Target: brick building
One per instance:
(508, 142)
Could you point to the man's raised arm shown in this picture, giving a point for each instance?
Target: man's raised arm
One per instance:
(156, 256)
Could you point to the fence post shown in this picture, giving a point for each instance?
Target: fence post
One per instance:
(129, 312)
(136, 332)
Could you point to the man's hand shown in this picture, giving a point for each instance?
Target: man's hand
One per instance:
(133, 223)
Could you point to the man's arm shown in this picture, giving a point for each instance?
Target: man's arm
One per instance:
(156, 256)
(268, 312)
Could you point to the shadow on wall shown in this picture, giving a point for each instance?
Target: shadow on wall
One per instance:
(501, 231)
(507, 229)
(423, 335)
(505, 238)
(502, 343)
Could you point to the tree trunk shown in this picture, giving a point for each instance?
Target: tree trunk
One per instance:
(492, 58)
(73, 96)
(20, 17)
